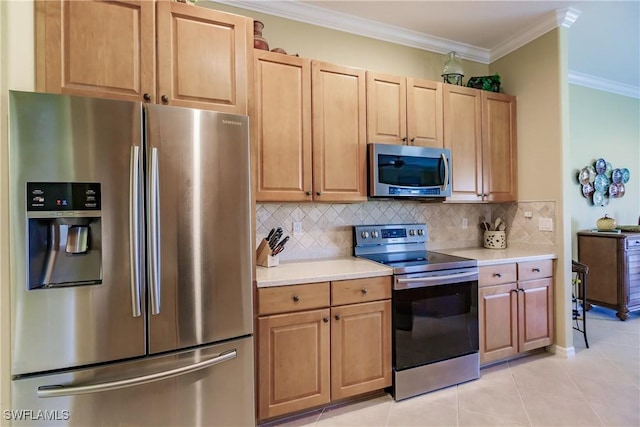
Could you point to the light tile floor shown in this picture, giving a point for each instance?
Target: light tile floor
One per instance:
(600, 386)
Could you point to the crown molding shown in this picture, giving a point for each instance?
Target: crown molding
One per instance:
(363, 27)
(560, 18)
(605, 85)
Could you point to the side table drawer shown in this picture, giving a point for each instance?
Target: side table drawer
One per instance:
(284, 299)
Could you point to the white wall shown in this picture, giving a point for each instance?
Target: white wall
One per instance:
(603, 125)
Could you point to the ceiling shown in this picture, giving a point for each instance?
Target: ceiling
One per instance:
(604, 35)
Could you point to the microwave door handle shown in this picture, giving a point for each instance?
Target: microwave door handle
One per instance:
(446, 172)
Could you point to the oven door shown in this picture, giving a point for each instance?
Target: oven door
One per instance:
(435, 317)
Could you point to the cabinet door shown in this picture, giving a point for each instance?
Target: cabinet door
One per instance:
(498, 318)
(203, 58)
(386, 108)
(360, 348)
(535, 314)
(499, 147)
(339, 133)
(96, 48)
(424, 113)
(293, 362)
(463, 136)
(282, 127)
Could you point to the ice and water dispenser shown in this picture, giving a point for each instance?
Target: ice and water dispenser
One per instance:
(65, 234)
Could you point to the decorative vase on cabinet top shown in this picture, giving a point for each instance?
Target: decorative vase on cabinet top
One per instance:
(258, 41)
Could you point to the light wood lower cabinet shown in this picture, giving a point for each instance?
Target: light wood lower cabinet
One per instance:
(293, 362)
(360, 348)
(322, 342)
(516, 309)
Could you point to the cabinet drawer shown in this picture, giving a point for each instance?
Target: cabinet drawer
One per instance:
(535, 269)
(283, 299)
(497, 274)
(360, 290)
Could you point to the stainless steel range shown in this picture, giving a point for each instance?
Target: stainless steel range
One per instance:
(435, 308)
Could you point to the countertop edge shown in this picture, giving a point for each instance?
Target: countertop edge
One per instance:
(346, 269)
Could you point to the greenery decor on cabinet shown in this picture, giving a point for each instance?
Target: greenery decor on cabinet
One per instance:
(489, 83)
(600, 182)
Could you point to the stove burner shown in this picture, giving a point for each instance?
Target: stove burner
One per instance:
(403, 248)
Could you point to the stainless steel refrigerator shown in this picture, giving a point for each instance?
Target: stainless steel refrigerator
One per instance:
(131, 271)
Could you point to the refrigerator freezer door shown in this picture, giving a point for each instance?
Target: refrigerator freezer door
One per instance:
(199, 222)
(218, 395)
(61, 139)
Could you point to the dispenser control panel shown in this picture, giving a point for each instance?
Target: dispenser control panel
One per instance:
(63, 196)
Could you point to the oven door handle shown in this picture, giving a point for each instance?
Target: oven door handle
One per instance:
(433, 280)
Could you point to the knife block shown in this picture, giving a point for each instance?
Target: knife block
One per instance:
(263, 255)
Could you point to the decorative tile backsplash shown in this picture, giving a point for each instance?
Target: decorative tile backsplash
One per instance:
(327, 228)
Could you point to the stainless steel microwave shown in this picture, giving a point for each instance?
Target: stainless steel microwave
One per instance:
(405, 171)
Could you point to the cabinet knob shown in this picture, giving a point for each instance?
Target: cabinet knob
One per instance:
(325, 319)
(413, 140)
(535, 270)
(164, 99)
(318, 193)
(295, 298)
(364, 291)
(146, 97)
(308, 193)
(497, 274)
(404, 140)
(515, 291)
(337, 316)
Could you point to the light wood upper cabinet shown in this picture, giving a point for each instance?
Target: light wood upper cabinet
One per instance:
(161, 52)
(480, 131)
(282, 127)
(424, 113)
(463, 136)
(96, 48)
(339, 133)
(203, 57)
(293, 96)
(499, 147)
(404, 110)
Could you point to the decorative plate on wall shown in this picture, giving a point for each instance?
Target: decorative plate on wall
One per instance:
(600, 182)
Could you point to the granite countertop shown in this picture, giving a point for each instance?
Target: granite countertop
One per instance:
(500, 256)
(297, 272)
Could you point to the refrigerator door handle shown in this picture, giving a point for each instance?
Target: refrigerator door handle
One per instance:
(134, 220)
(154, 233)
(61, 391)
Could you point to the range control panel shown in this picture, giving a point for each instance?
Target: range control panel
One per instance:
(366, 235)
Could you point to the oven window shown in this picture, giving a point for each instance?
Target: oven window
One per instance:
(434, 323)
(409, 171)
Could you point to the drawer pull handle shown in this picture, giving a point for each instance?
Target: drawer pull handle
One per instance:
(497, 274)
(296, 298)
(535, 270)
(337, 316)
(325, 319)
(364, 291)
